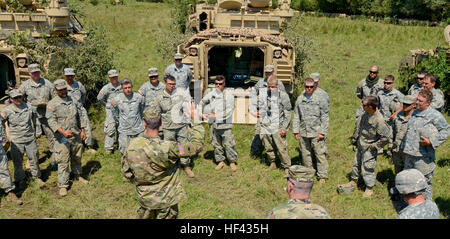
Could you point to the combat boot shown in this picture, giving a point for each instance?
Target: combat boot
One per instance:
(368, 193)
(220, 165)
(233, 167)
(273, 166)
(63, 192)
(189, 172)
(39, 182)
(81, 179)
(322, 181)
(13, 198)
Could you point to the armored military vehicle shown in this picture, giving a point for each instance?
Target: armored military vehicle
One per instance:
(53, 19)
(237, 38)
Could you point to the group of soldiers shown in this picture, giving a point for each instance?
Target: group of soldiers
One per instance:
(158, 131)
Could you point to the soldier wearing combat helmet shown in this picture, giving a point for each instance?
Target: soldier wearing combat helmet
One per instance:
(300, 181)
(152, 165)
(411, 185)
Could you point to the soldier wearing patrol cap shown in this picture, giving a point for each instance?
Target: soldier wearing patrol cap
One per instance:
(411, 184)
(150, 89)
(256, 145)
(21, 133)
(77, 91)
(324, 95)
(38, 92)
(152, 165)
(67, 120)
(399, 130)
(181, 72)
(300, 181)
(106, 94)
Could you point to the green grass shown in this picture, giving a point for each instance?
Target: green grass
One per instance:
(343, 52)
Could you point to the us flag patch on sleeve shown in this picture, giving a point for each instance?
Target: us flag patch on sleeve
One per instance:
(181, 150)
(3, 115)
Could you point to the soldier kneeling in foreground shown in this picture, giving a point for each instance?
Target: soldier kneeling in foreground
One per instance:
(152, 165)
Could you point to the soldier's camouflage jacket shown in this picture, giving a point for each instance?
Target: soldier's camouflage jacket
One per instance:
(173, 108)
(298, 209)
(183, 75)
(311, 116)
(222, 105)
(373, 131)
(364, 90)
(20, 122)
(150, 92)
(426, 210)
(38, 94)
(415, 89)
(152, 165)
(129, 113)
(438, 99)
(107, 93)
(386, 101)
(399, 130)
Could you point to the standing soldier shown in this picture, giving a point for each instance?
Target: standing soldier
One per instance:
(106, 94)
(300, 181)
(150, 89)
(275, 115)
(38, 92)
(170, 103)
(181, 72)
(256, 145)
(427, 130)
(316, 77)
(5, 177)
(128, 108)
(417, 87)
(438, 97)
(372, 134)
(221, 105)
(310, 127)
(19, 118)
(76, 90)
(66, 118)
(151, 164)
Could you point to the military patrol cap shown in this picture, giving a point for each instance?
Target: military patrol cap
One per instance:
(178, 56)
(60, 84)
(300, 173)
(14, 93)
(150, 114)
(112, 73)
(33, 68)
(69, 72)
(126, 81)
(315, 76)
(269, 68)
(409, 181)
(153, 71)
(409, 99)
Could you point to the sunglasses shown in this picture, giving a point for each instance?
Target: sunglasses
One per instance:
(153, 77)
(219, 83)
(171, 84)
(309, 87)
(373, 72)
(388, 83)
(420, 78)
(406, 105)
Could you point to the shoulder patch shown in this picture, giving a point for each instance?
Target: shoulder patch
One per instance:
(49, 107)
(101, 92)
(181, 149)
(3, 115)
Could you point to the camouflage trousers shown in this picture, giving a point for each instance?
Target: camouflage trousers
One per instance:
(110, 130)
(179, 135)
(5, 177)
(273, 142)
(399, 161)
(165, 213)
(364, 164)
(426, 166)
(124, 140)
(42, 125)
(220, 139)
(68, 151)
(17, 152)
(89, 141)
(320, 151)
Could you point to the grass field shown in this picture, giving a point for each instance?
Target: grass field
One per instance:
(343, 52)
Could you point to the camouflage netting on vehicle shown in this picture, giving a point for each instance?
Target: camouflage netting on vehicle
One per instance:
(246, 32)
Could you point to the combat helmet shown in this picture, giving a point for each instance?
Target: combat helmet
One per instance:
(410, 181)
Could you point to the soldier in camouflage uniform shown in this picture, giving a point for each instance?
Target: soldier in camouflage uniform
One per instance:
(411, 184)
(5, 177)
(150, 89)
(152, 165)
(427, 130)
(128, 108)
(181, 72)
(171, 104)
(106, 94)
(300, 181)
(438, 97)
(220, 118)
(19, 118)
(256, 145)
(274, 108)
(316, 77)
(68, 121)
(417, 87)
(310, 127)
(76, 90)
(399, 131)
(38, 92)
(373, 133)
